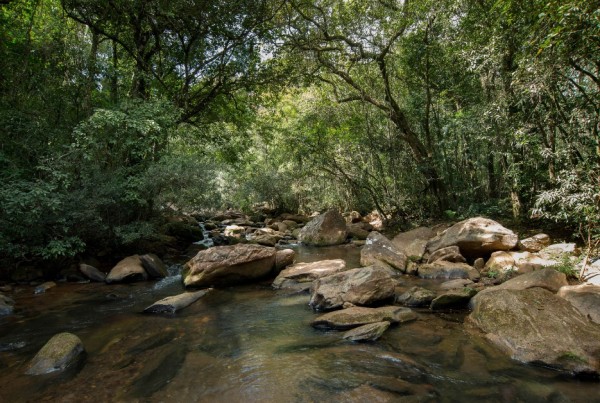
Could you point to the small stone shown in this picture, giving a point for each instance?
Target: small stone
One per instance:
(42, 288)
(175, 303)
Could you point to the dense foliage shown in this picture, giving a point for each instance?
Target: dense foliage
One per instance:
(113, 112)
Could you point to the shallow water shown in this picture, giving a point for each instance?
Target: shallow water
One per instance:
(253, 344)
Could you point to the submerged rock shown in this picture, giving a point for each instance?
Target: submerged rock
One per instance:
(369, 332)
(326, 229)
(301, 275)
(42, 288)
(129, 269)
(176, 302)
(361, 286)
(229, 265)
(358, 316)
(475, 237)
(62, 351)
(537, 327)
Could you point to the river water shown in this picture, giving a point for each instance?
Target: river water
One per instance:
(253, 344)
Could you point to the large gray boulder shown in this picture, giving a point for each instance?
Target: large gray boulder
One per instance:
(175, 303)
(229, 265)
(449, 254)
(154, 266)
(585, 298)
(127, 270)
(475, 237)
(537, 327)
(442, 269)
(326, 229)
(378, 249)
(301, 275)
(361, 286)
(413, 243)
(358, 316)
(61, 352)
(548, 279)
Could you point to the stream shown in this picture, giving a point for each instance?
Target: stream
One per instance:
(253, 344)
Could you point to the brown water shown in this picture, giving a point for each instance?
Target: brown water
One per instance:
(253, 344)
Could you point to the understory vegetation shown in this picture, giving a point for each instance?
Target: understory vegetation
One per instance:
(113, 113)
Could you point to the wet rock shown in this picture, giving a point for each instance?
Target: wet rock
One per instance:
(6, 305)
(449, 254)
(229, 265)
(537, 327)
(358, 316)
(369, 332)
(453, 299)
(447, 270)
(548, 279)
(416, 297)
(535, 243)
(129, 269)
(475, 237)
(42, 288)
(413, 243)
(326, 229)
(378, 249)
(361, 286)
(454, 284)
(154, 266)
(92, 273)
(61, 352)
(284, 258)
(301, 275)
(585, 298)
(175, 303)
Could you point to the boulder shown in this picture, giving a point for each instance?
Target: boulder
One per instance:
(356, 231)
(284, 258)
(184, 231)
(499, 262)
(378, 249)
(548, 279)
(449, 254)
(154, 266)
(326, 229)
(526, 262)
(447, 270)
(175, 303)
(416, 297)
(129, 269)
(234, 231)
(92, 273)
(6, 305)
(537, 327)
(558, 250)
(361, 286)
(358, 316)
(458, 298)
(475, 237)
(229, 265)
(413, 243)
(369, 332)
(301, 275)
(61, 352)
(585, 298)
(535, 243)
(265, 239)
(42, 288)
(479, 263)
(300, 219)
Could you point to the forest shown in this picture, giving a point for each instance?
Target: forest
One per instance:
(115, 112)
